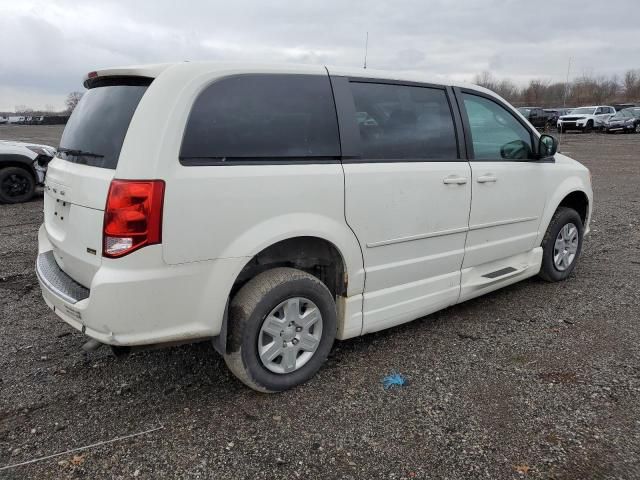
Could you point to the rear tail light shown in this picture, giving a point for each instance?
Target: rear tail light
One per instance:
(132, 216)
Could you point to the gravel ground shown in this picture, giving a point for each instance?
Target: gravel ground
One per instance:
(537, 380)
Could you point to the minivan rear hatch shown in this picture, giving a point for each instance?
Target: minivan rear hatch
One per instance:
(78, 178)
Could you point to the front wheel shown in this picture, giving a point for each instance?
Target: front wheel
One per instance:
(16, 185)
(588, 127)
(282, 324)
(561, 245)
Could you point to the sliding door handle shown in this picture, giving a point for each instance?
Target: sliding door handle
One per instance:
(487, 178)
(454, 179)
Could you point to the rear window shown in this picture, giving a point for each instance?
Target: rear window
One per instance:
(262, 117)
(97, 127)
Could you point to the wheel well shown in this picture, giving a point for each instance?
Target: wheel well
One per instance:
(579, 202)
(22, 165)
(313, 255)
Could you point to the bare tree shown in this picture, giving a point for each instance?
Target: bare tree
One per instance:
(584, 90)
(535, 93)
(72, 100)
(631, 84)
(505, 88)
(485, 79)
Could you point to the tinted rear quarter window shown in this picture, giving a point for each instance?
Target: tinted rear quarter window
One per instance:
(262, 116)
(402, 122)
(96, 129)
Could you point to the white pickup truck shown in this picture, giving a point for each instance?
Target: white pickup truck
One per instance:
(585, 118)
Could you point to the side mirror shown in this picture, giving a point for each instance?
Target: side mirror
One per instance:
(547, 146)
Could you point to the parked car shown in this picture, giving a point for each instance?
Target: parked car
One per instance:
(247, 204)
(623, 106)
(536, 116)
(555, 113)
(34, 120)
(22, 167)
(623, 121)
(635, 111)
(585, 118)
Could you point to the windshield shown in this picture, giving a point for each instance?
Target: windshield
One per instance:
(622, 114)
(524, 110)
(97, 127)
(584, 111)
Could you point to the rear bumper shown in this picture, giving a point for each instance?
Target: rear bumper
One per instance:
(51, 276)
(140, 301)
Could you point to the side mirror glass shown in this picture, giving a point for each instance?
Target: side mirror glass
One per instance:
(547, 146)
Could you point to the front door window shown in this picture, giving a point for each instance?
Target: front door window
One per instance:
(495, 132)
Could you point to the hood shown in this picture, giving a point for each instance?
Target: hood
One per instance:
(618, 120)
(25, 148)
(574, 115)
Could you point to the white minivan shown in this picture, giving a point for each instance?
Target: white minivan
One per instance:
(273, 210)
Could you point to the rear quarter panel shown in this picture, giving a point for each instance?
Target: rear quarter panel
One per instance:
(237, 211)
(230, 211)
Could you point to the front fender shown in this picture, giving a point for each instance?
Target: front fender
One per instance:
(574, 183)
(17, 159)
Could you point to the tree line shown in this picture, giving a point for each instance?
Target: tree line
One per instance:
(584, 90)
(70, 103)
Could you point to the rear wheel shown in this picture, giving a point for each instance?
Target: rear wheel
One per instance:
(561, 245)
(282, 325)
(637, 129)
(16, 185)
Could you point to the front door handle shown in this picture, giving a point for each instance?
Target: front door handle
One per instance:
(487, 178)
(454, 179)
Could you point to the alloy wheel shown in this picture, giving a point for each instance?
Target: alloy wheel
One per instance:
(15, 185)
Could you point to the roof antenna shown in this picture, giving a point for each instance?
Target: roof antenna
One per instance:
(366, 48)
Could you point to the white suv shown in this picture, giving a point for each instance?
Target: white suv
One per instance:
(585, 118)
(274, 210)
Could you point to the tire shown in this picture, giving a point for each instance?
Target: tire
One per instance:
(248, 312)
(637, 129)
(588, 127)
(550, 270)
(16, 185)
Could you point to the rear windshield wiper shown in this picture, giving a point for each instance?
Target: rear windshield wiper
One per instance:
(79, 153)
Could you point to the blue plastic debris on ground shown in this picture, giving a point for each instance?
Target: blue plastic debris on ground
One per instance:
(393, 380)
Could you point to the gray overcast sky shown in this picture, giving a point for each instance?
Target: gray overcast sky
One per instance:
(47, 46)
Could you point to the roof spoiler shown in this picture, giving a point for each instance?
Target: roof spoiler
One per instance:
(94, 80)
